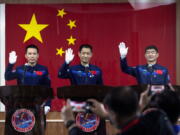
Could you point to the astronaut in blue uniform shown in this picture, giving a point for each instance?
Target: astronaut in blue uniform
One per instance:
(84, 73)
(151, 73)
(30, 73)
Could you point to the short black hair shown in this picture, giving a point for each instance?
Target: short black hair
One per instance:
(123, 101)
(85, 46)
(169, 102)
(32, 46)
(151, 47)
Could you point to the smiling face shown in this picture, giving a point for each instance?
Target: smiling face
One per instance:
(32, 56)
(151, 56)
(85, 55)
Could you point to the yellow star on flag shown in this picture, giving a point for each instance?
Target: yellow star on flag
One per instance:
(71, 24)
(71, 40)
(33, 29)
(61, 13)
(59, 51)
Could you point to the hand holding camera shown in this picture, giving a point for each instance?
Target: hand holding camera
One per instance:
(81, 106)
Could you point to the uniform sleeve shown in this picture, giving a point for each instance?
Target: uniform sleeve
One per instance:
(127, 69)
(100, 80)
(64, 71)
(9, 73)
(48, 103)
(167, 78)
(47, 81)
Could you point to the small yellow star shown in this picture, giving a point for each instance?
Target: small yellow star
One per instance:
(71, 40)
(71, 24)
(33, 29)
(61, 13)
(59, 51)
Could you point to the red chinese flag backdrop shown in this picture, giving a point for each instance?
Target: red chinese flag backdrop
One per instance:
(101, 25)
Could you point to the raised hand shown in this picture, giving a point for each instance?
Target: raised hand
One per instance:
(69, 56)
(98, 108)
(123, 50)
(12, 57)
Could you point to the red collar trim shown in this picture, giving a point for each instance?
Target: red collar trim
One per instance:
(130, 124)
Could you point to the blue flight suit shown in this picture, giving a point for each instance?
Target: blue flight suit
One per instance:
(80, 75)
(28, 75)
(156, 74)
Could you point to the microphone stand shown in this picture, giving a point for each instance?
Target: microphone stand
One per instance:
(25, 69)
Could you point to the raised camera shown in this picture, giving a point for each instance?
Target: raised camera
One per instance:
(81, 106)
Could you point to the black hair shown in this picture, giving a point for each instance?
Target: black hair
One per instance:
(151, 47)
(123, 101)
(169, 102)
(32, 46)
(85, 46)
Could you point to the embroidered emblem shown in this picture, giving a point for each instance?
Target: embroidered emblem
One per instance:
(23, 120)
(87, 122)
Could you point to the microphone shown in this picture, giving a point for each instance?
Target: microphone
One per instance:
(86, 71)
(150, 68)
(25, 69)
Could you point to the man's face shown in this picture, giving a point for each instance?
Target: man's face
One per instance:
(151, 55)
(32, 55)
(85, 55)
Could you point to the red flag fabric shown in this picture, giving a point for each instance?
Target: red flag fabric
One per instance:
(54, 28)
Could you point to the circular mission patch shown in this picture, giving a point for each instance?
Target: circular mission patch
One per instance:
(87, 122)
(23, 120)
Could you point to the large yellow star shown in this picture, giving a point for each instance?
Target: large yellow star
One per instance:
(61, 13)
(33, 29)
(71, 24)
(59, 51)
(71, 40)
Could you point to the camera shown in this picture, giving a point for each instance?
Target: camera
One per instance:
(81, 106)
(156, 89)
